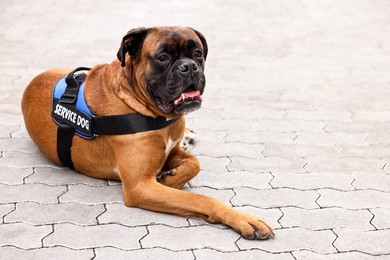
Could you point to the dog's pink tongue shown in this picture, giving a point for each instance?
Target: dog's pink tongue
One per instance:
(189, 94)
(192, 94)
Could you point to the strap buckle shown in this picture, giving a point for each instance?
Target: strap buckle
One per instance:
(68, 98)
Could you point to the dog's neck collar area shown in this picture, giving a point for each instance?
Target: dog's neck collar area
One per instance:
(73, 116)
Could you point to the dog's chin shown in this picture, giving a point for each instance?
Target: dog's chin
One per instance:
(185, 103)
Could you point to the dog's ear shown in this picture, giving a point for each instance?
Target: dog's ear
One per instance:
(131, 43)
(204, 43)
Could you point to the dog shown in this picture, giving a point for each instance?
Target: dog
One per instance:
(159, 73)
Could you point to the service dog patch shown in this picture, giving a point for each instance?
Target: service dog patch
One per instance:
(71, 116)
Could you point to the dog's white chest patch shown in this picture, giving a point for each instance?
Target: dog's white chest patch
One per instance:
(169, 146)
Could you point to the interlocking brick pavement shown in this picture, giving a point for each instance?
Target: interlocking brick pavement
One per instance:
(295, 128)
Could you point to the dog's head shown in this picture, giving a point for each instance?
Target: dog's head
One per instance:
(168, 62)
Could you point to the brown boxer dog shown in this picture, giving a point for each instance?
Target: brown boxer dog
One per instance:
(159, 73)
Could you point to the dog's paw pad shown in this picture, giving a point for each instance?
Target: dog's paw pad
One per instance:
(252, 228)
(263, 234)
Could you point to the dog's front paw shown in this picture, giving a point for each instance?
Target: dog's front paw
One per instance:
(251, 227)
(188, 139)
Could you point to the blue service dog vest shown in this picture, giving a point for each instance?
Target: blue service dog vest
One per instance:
(77, 115)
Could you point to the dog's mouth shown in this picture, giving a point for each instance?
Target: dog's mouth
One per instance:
(188, 101)
(188, 97)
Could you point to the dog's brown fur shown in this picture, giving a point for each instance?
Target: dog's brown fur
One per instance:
(134, 159)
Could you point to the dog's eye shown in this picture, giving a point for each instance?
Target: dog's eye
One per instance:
(198, 54)
(162, 58)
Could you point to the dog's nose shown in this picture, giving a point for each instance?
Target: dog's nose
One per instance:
(188, 66)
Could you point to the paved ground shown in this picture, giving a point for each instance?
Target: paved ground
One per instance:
(295, 128)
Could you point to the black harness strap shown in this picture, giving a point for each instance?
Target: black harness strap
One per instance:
(100, 125)
(128, 124)
(65, 132)
(64, 143)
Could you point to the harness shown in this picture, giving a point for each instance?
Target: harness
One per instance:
(73, 117)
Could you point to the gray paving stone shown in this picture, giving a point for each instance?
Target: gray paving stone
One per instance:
(382, 218)
(5, 131)
(347, 165)
(371, 116)
(307, 255)
(61, 176)
(23, 160)
(371, 242)
(205, 254)
(213, 164)
(260, 137)
(293, 151)
(229, 180)
(38, 214)
(84, 237)
(272, 198)
(148, 253)
(113, 183)
(119, 213)
(370, 151)
(386, 168)
(372, 181)
(281, 104)
(61, 253)
(23, 235)
(21, 144)
(381, 105)
(381, 138)
(196, 237)
(208, 123)
(228, 149)
(355, 127)
(252, 113)
(208, 111)
(268, 164)
(353, 199)
(11, 119)
(292, 239)
(14, 175)
(240, 99)
(93, 195)
(326, 218)
(20, 133)
(324, 115)
(30, 192)
(5, 209)
(316, 94)
(331, 138)
(290, 126)
(214, 137)
(306, 181)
